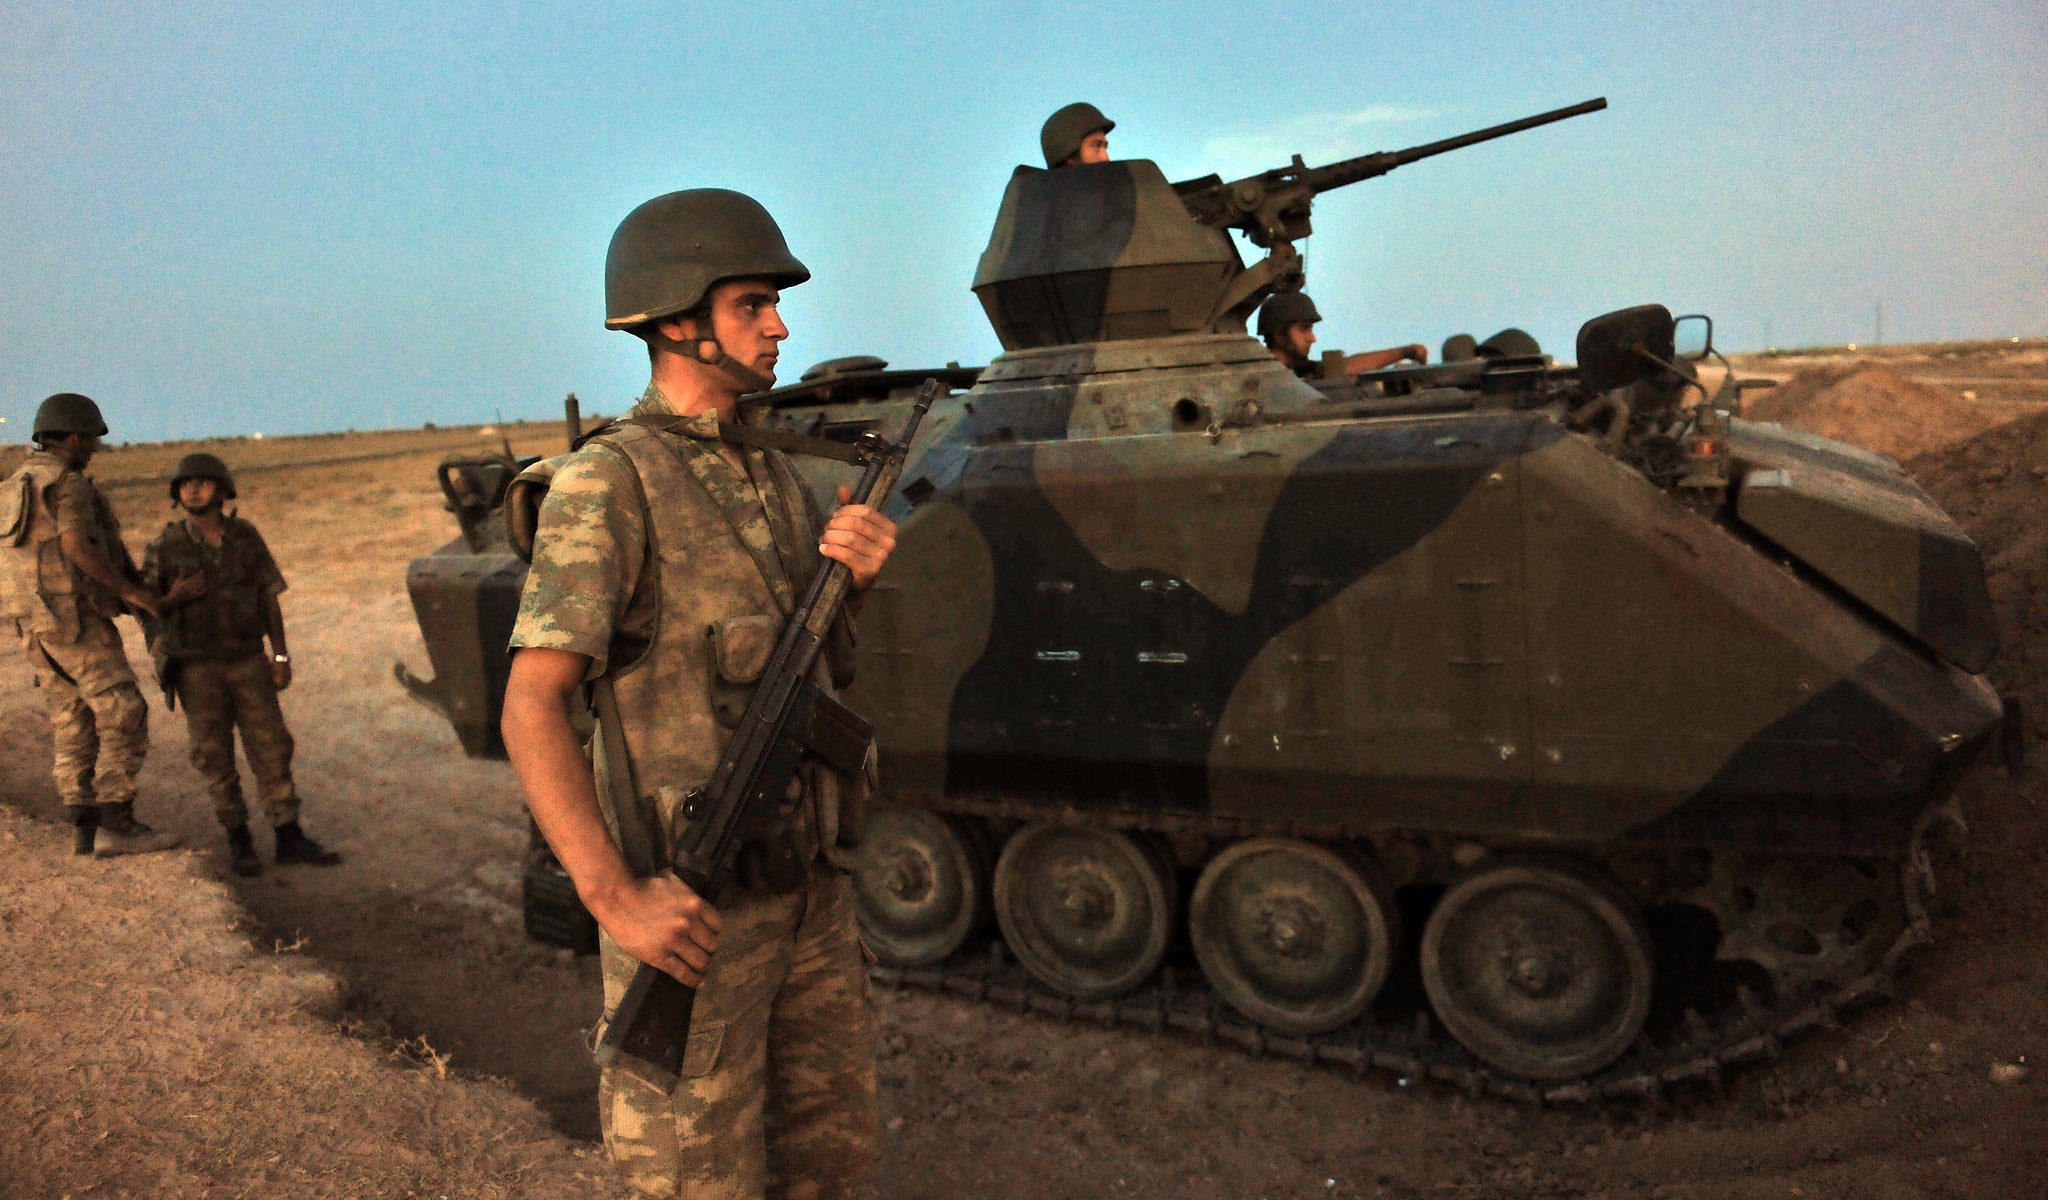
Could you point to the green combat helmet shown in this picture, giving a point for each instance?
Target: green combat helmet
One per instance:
(666, 255)
(1285, 309)
(203, 466)
(1508, 343)
(1064, 131)
(1459, 347)
(69, 412)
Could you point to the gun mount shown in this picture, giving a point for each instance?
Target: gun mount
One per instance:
(1111, 251)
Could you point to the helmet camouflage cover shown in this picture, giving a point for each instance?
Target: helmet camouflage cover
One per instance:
(1060, 138)
(1283, 309)
(69, 412)
(666, 255)
(203, 466)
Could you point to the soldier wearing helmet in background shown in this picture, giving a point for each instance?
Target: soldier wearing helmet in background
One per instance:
(1460, 347)
(1076, 134)
(64, 575)
(1508, 343)
(664, 560)
(209, 653)
(1287, 322)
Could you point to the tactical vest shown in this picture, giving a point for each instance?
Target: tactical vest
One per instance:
(679, 696)
(228, 621)
(39, 588)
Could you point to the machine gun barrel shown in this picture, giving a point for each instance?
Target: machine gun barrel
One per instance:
(1273, 206)
(1368, 166)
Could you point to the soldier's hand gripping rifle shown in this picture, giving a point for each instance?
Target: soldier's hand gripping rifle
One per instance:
(1273, 206)
(787, 716)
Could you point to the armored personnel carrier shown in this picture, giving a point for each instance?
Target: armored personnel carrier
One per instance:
(1555, 709)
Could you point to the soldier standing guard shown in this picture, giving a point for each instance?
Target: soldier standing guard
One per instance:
(209, 651)
(664, 562)
(64, 575)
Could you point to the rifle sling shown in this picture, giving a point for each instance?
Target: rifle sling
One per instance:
(619, 799)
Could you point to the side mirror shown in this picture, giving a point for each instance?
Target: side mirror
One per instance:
(1694, 336)
(1612, 348)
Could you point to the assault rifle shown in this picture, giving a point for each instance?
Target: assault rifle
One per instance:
(786, 716)
(1273, 206)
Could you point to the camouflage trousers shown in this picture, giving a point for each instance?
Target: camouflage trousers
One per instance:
(219, 696)
(99, 725)
(778, 1090)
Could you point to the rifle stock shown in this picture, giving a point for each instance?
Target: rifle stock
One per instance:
(648, 1033)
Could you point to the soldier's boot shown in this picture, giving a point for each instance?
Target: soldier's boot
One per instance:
(293, 846)
(242, 857)
(85, 822)
(121, 833)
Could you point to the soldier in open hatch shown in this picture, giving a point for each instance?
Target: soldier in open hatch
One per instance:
(209, 653)
(64, 575)
(1287, 322)
(1076, 134)
(664, 560)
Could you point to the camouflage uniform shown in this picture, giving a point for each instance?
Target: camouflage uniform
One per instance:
(213, 650)
(778, 1088)
(99, 725)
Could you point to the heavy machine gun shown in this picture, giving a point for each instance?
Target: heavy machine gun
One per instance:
(1273, 206)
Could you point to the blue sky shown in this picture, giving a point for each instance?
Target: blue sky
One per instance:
(279, 217)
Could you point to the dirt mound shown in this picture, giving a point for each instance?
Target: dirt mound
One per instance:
(1996, 486)
(1875, 408)
(146, 1049)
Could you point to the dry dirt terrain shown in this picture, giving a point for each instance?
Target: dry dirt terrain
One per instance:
(381, 1028)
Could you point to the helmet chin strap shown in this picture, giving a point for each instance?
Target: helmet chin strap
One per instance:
(711, 353)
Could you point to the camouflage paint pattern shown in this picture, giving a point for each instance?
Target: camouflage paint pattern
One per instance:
(221, 696)
(1151, 577)
(778, 1089)
(1098, 252)
(99, 725)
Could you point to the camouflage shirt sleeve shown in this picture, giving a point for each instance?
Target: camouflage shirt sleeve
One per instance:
(588, 548)
(71, 500)
(263, 567)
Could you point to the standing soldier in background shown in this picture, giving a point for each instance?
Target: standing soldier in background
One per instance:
(1287, 321)
(1076, 134)
(667, 556)
(64, 575)
(209, 651)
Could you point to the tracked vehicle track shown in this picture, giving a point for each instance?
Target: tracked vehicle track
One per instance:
(1697, 1052)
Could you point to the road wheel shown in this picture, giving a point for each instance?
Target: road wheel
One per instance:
(1087, 911)
(1294, 935)
(1538, 968)
(925, 888)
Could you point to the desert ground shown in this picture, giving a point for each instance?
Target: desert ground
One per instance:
(382, 1028)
